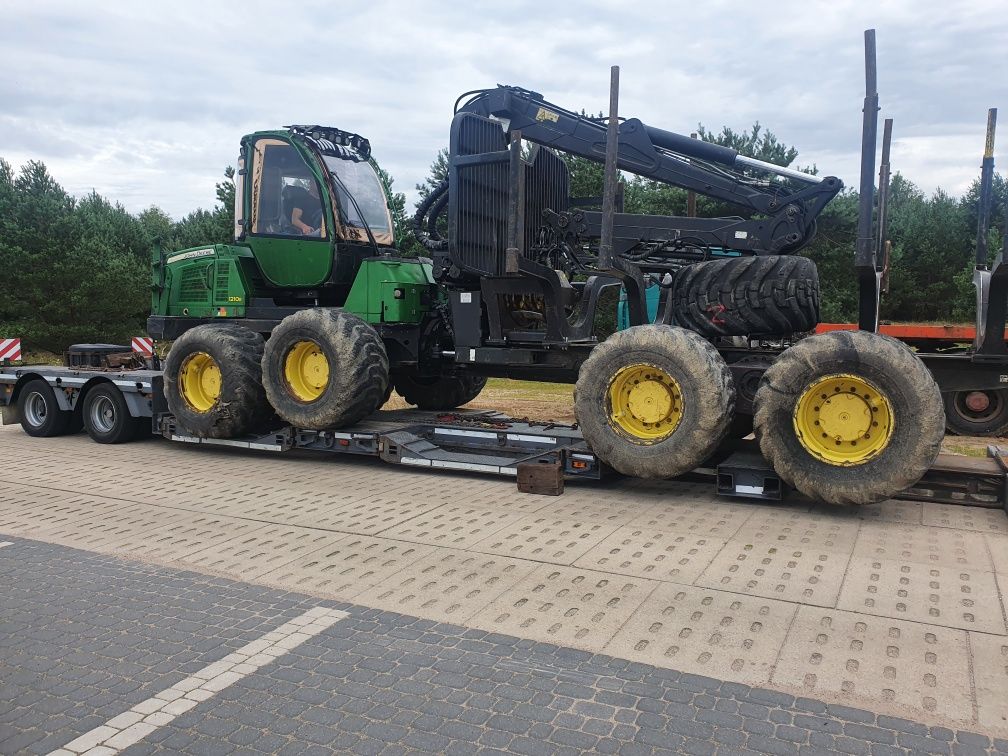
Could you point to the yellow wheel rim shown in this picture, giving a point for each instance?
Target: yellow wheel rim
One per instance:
(843, 419)
(200, 381)
(645, 403)
(306, 371)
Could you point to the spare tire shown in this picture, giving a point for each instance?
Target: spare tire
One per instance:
(443, 392)
(324, 368)
(772, 295)
(213, 382)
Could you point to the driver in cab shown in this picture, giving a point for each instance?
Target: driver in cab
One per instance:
(306, 209)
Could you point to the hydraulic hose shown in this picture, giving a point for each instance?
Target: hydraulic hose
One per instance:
(434, 214)
(433, 243)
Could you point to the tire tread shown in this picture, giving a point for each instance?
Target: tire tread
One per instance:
(916, 400)
(759, 295)
(357, 384)
(239, 355)
(707, 381)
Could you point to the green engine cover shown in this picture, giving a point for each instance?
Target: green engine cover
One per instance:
(200, 282)
(392, 290)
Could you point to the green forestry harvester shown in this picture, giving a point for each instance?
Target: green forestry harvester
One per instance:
(313, 316)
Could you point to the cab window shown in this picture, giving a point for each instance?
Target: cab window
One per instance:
(286, 200)
(359, 180)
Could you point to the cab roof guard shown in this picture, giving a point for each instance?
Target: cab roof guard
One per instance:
(334, 142)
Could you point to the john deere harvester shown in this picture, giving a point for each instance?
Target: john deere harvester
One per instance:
(311, 314)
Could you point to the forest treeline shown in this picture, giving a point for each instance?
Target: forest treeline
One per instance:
(76, 269)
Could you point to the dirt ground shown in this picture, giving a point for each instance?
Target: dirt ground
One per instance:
(532, 399)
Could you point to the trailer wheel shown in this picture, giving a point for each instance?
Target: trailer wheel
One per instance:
(213, 382)
(977, 413)
(849, 417)
(324, 368)
(106, 417)
(40, 414)
(654, 401)
(439, 392)
(768, 295)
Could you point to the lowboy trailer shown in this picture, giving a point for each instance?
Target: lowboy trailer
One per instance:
(100, 392)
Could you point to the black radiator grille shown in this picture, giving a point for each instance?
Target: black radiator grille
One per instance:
(478, 202)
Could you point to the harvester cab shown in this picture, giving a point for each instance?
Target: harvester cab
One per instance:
(309, 208)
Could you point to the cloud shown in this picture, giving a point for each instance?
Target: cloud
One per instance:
(145, 103)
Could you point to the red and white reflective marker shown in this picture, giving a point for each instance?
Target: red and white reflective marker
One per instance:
(10, 349)
(143, 345)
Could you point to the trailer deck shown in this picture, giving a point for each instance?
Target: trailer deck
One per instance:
(488, 442)
(468, 440)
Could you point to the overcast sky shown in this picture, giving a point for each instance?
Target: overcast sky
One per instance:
(145, 102)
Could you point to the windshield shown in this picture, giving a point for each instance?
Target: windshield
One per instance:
(362, 182)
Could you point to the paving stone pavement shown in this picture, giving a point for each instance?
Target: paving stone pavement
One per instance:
(85, 637)
(897, 608)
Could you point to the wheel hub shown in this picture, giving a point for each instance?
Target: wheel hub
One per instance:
(843, 419)
(103, 414)
(977, 401)
(200, 381)
(649, 401)
(645, 403)
(35, 409)
(306, 371)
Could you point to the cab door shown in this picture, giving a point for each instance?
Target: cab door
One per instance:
(278, 175)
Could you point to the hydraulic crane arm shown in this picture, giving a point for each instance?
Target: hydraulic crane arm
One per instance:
(787, 219)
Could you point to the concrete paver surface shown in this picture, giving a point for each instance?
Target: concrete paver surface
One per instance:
(898, 608)
(104, 655)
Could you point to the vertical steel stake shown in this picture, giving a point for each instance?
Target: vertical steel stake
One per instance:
(611, 175)
(864, 257)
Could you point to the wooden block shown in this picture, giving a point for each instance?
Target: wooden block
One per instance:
(541, 478)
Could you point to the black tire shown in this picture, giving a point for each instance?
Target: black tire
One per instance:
(771, 295)
(893, 370)
(358, 371)
(705, 384)
(241, 405)
(992, 420)
(76, 422)
(741, 426)
(440, 392)
(40, 414)
(106, 416)
(747, 373)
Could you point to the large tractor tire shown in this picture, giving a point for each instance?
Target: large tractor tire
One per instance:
(849, 417)
(977, 413)
(773, 295)
(324, 368)
(654, 401)
(441, 392)
(213, 382)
